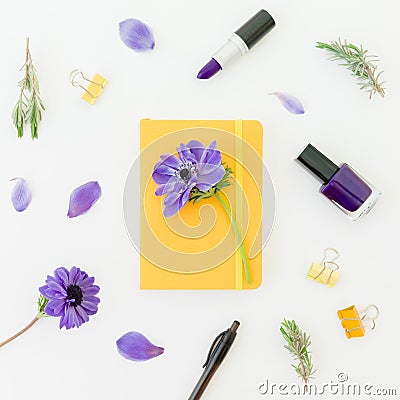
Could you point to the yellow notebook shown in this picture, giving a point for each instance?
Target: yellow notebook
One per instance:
(197, 248)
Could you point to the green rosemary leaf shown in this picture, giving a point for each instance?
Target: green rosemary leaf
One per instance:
(18, 118)
(298, 344)
(362, 65)
(29, 107)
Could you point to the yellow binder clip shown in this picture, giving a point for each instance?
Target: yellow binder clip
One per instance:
(94, 86)
(325, 272)
(355, 323)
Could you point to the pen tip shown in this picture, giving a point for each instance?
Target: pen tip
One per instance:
(235, 326)
(209, 70)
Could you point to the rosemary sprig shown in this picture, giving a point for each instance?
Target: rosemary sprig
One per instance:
(362, 65)
(298, 344)
(29, 107)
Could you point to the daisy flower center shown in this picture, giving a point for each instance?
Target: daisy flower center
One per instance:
(74, 295)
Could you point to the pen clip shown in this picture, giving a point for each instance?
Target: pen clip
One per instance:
(213, 347)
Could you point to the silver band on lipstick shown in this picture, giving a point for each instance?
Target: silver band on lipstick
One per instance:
(232, 49)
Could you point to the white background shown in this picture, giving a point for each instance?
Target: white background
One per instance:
(79, 143)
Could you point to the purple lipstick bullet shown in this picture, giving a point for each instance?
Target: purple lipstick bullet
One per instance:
(239, 43)
(209, 70)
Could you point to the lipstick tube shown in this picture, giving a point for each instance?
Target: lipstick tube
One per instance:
(239, 43)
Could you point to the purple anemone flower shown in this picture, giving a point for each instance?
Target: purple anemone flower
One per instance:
(71, 295)
(197, 166)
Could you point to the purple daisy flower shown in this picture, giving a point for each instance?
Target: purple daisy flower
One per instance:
(197, 166)
(71, 295)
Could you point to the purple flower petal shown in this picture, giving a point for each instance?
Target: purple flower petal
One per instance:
(82, 313)
(163, 189)
(205, 182)
(163, 169)
(212, 154)
(185, 154)
(209, 155)
(21, 195)
(136, 347)
(291, 103)
(205, 169)
(73, 275)
(83, 198)
(172, 209)
(197, 148)
(171, 186)
(86, 281)
(185, 196)
(56, 307)
(61, 274)
(171, 198)
(91, 291)
(136, 35)
(160, 179)
(89, 306)
(170, 160)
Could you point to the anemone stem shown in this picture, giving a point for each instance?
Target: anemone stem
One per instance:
(10, 339)
(238, 236)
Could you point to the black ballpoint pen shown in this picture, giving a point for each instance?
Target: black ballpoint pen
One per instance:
(219, 350)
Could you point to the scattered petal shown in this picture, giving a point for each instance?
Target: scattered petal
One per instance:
(136, 347)
(83, 198)
(21, 195)
(136, 35)
(291, 103)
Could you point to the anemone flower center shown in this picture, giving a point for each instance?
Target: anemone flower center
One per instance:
(186, 172)
(74, 295)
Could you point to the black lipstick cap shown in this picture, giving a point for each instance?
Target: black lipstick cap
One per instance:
(256, 28)
(317, 163)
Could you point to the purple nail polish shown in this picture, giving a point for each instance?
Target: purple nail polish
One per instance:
(341, 184)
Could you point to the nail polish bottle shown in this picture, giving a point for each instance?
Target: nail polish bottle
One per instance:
(341, 184)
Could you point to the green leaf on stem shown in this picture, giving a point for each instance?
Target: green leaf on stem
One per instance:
(42, 302)
(362, 65)
(298, 345)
